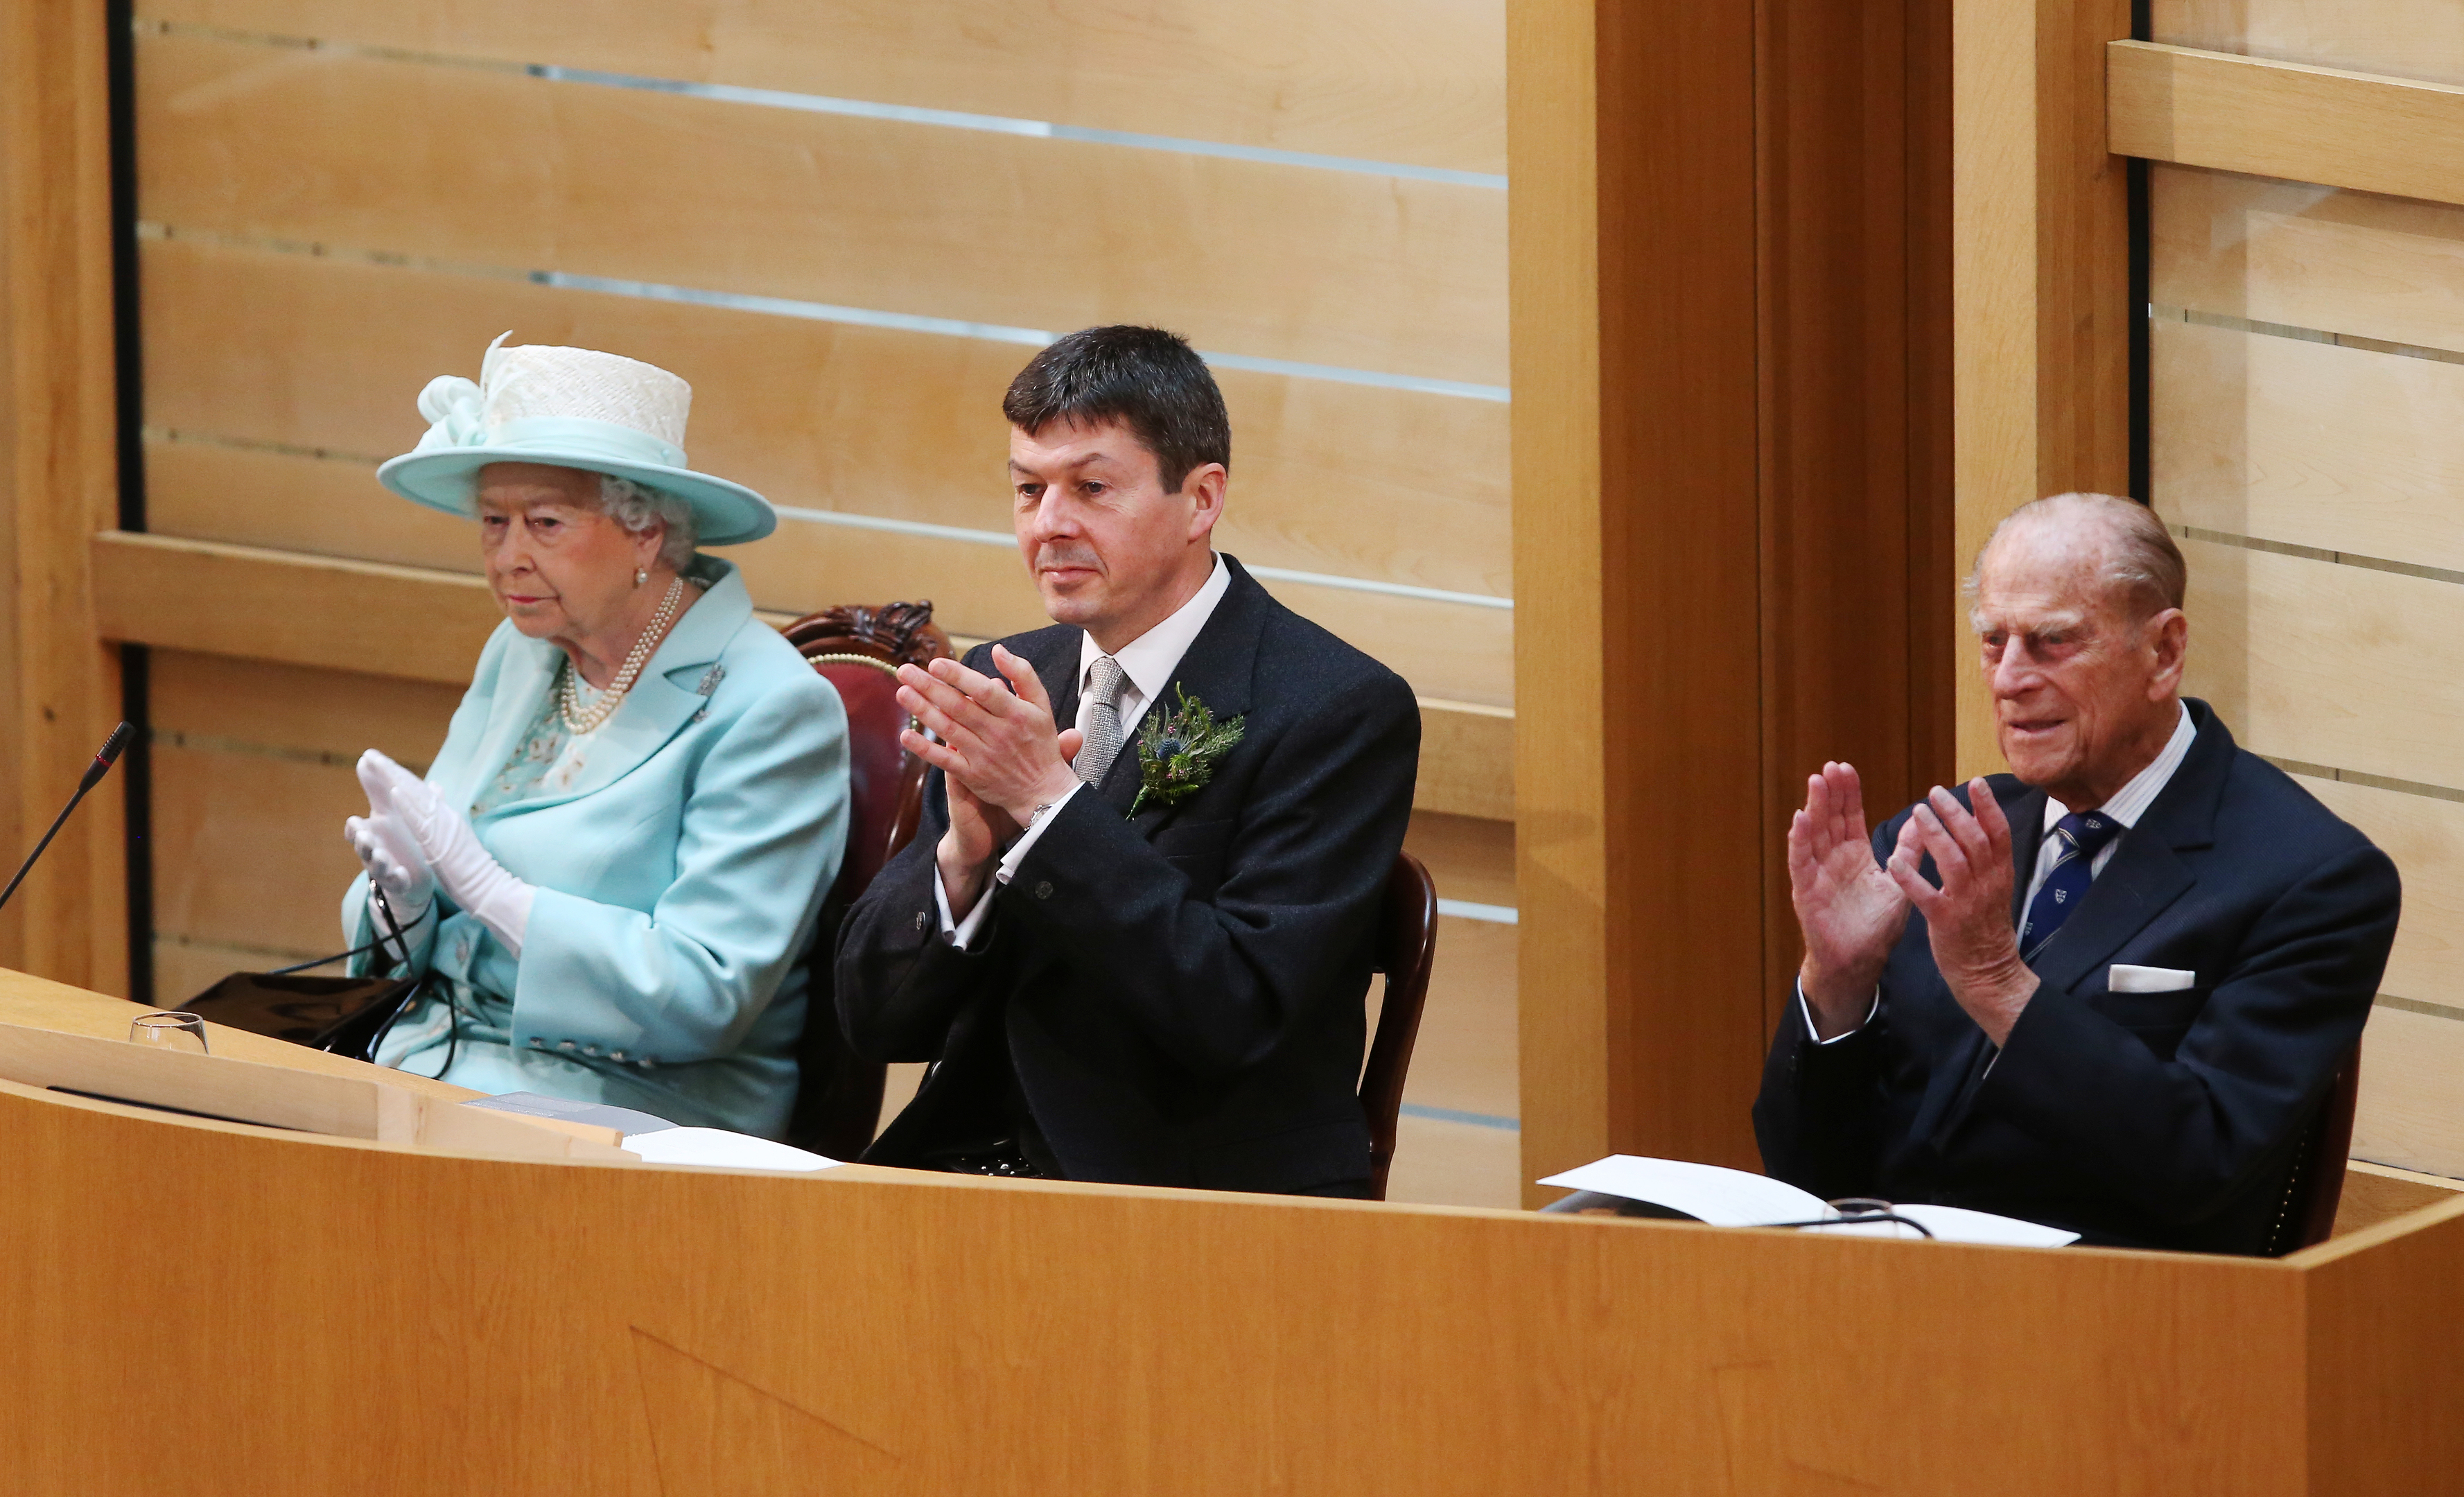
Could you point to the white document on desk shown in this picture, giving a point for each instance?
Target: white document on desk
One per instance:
(718, 1146)
(1734, 1197)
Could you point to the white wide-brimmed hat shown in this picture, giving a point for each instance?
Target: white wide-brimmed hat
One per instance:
(574, 408)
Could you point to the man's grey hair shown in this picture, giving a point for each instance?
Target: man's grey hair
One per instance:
(2140, 562)
(637, 509)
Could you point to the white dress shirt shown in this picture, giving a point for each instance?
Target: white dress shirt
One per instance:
(2125, 806)
(1147, 664)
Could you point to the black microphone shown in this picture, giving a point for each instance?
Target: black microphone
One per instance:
(93, 774)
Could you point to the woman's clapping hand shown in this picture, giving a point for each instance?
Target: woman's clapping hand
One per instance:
(467, 870)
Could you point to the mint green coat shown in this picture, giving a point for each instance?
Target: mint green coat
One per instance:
(678, 880)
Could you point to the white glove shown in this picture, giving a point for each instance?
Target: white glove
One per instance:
(468, 872)
(389, 853)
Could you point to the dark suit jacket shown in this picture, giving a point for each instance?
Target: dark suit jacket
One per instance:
(2138, 1120)
(1175, 1000)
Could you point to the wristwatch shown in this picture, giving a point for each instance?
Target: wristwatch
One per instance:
(1037, 815)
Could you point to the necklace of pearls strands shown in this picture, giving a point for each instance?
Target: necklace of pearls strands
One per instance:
(583, 721)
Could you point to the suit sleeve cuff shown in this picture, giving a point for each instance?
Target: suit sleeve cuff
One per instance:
(1806, 1012)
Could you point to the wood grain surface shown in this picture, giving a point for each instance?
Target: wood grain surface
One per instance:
(2286, 120)
(2340, 666)
(1393, 274)
(637, 1329)
(2425, 836)
(60, 687)
(2308, 257)
(2408, 1117)
(310, 352)
(2312, 444)
(1388, 80)
(2402, 38)
(2041, 267)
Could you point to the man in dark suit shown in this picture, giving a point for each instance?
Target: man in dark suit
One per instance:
(2107, 993)
(1137, 948)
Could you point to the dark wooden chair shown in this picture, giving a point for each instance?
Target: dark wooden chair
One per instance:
(858, 651)
(1407, 947)
(2317, 1181)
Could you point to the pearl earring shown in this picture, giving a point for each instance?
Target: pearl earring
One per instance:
(640, 577)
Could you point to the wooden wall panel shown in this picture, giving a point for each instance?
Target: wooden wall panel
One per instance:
(2040, 269)
(2286, 120)
(2308, 257)
(2402, 38)
(2311, 444)
(1327, 267)
(1403, 80)
(1853, 367)
(1562, 760)
(310, 352)
(252, 775)
(60, 687)
(2340, 666)
(2409, 1116)
(2425, 836)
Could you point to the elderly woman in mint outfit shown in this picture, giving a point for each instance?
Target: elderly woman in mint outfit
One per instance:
(612, 872)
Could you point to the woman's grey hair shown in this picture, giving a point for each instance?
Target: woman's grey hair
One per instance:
(2140, 562)
(637, 509)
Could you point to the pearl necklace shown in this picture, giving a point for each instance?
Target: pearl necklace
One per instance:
(583, 721)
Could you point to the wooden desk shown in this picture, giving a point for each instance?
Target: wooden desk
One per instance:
(200, 1307)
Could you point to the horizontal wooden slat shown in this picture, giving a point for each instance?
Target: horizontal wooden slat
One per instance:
(2409, 1116)
(248, 849)
(424, 624)
(1406, 80)
(2401, 38)
(498, 168)
(310, 352)
(304, 610)
(2286, 120)
(2425, 836)
(2340, 666)
(216, 699)
(2307, 256)
(2312, 444)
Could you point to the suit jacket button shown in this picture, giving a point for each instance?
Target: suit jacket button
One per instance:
(1043, 889)
(921, 920)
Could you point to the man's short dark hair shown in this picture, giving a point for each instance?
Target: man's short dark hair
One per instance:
(1147, 379)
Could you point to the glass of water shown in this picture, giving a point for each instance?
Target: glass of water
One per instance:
(172, 1031)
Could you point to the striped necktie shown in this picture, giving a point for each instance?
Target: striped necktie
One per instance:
(2082, 835)
(1103, 742)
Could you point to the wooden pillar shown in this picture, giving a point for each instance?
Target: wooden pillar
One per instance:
(2041, 282)
(1730, 295)
(59, 686)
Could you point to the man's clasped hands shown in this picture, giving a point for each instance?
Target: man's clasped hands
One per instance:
(999, 749)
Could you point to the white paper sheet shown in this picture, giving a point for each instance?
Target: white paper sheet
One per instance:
(718, 1146)
(1723, 1197)
(1734, 1197)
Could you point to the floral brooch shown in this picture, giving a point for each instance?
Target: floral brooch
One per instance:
(1177, 753)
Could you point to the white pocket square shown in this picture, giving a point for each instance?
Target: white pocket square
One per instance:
(2124, 978)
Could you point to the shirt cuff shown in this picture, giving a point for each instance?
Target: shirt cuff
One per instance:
(962, 932)
(1017, 853)
(1805, 1011)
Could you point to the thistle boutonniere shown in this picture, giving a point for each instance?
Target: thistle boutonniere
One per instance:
(1176, 752)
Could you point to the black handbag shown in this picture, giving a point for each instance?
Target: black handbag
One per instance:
(342, 1016)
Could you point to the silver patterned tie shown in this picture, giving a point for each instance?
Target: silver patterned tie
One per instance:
(1103, 744)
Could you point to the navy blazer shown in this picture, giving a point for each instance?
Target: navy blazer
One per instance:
(2136, 1120)
(1174, 998)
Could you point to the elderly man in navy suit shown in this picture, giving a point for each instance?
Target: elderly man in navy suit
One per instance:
(1136, 947)
(2107, 992)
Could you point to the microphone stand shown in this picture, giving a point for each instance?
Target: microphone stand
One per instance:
(93, 774)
